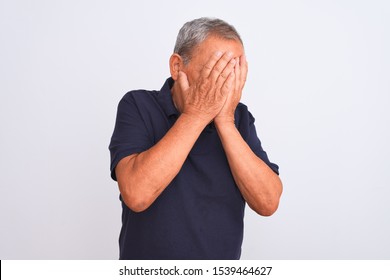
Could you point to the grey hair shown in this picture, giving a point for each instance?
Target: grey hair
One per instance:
(196, 31)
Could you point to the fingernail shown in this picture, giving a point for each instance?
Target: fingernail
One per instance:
(230, 54)
(218, 54)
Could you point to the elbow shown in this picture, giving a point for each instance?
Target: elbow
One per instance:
(132, 186)
(136, 205)
(134, 200)
(269, 205)
(267, 209)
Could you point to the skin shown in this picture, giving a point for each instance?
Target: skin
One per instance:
(207, 89)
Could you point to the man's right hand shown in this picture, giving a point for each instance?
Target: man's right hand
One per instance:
(207, 95)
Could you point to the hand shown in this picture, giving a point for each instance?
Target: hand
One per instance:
(207, 95)
(240, 72)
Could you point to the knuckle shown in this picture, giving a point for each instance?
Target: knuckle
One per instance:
(223, 75)
(217, 68)
(207, 66)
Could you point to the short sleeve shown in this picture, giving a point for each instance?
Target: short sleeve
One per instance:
(248, 131)
(130, 134)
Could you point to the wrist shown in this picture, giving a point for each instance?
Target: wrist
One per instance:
(223, 122)
(224, 119)
(195, 119)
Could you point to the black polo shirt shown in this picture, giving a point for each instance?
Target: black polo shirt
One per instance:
(200, 214)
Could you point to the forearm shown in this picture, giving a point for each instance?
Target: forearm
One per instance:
(259, 185)
(144, 176)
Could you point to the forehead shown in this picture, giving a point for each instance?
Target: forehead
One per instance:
(212, 44)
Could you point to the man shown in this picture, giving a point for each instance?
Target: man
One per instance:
(187, 157)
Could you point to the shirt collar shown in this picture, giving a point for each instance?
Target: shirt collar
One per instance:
(164, 97)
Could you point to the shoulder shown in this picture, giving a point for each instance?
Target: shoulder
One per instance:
(138, 98)
(139, 95)
(243, 116)
(241, 108)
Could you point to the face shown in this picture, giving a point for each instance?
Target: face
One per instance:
(205, 50)
(200, 57)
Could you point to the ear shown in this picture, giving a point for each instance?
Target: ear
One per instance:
(175, 65)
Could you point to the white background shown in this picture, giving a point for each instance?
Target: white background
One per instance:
(318, 86)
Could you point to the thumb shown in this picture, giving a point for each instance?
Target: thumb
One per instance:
(183, 81)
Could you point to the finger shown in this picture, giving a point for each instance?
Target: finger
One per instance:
(244, 69)
(228, 84)
(226, 72)
(237, 72)
(183, 81)
(208, 67)
(219, 67)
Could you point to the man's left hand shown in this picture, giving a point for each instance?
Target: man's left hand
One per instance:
(227, 112)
